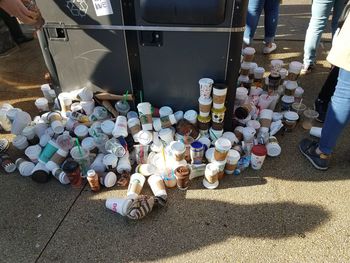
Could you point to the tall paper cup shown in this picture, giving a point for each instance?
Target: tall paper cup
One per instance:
(205, 86)
(157, 185)
(119, 205)
(145, 113)
(136, 184)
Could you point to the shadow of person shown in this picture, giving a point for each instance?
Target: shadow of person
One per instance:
(184, 225)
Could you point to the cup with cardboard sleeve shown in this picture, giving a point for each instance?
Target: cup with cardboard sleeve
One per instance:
(211, 176)
(136, 184)
(157, 185)
(232, 159)
(222, 146)
(219, 96)
(145, 113)
(248, 54)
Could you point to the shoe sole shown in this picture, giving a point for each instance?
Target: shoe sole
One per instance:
(312, 162)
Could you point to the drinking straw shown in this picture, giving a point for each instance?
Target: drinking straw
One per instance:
(163, 154)
(141, 96)
(94, 133)
(125, 96)
(79, 148)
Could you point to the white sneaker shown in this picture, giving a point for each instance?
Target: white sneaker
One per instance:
(268, 50)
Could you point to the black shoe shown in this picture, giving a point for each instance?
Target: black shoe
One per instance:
(321, 107)
(23, 39)
(308, 148)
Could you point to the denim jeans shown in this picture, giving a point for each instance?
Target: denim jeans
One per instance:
(320, 11)
(338, 114)
(271, 10)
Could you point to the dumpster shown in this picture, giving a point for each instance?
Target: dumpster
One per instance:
(152, 48)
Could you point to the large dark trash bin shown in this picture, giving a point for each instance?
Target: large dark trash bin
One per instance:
(161, 48)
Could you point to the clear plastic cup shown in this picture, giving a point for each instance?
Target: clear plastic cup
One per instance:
(309, 118)
(81, 156)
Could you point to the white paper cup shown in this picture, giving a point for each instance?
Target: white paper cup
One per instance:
(85, 94)
(222, 146)
(22, 119)
(248, 54)
(259, 72)
(65, 101)
(88, 106)
(110, 161)
(258, 155)
(42, 104)
(265, 101)
(124, 164)
(29, 132)
(107, 127)
(88, 144)
(145, 112)
(165, 111)
(97, 164)
(44, 139)
(295, 67)
(316, 131)
(205, 86)
(50, 165)
(191, 116)
(45, 89)
(248, 134)
(204, 106)
(136, 184)
(120, 127)
(209, 154)
(57, 127)
(24, 167)
(33, 152)
(211, 176)
(20, 142)
(144, 137)
(241, 93)
(178, 150)
(254, 124)
(205, 141)
(118, 205)
(108, 180)
(166, 135)
(231, 137)
(157, 185)
(273, 148)
(40, 129)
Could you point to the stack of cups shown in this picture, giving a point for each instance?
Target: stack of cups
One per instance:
(205, 103)
(218, 110)
(294, 70)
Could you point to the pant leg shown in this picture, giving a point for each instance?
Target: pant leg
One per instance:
(328, 87)
(320, 11)
(271, 10)
(255, 8)
(337, 11)
(338, 114)
(12, 24)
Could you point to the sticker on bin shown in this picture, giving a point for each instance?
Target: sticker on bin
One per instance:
(103, 7)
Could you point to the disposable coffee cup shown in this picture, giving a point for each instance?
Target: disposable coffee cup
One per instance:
(157, 185)
(122, 107)
(169, 178)
(294, 70)
(44, 139)
(273, 148)
(179, 115)
(134, 127)
(204, 106)
(248, 54)
(298, 108)
(120, 127)
(286, 102)
(65, 101)
(231, 137)
(24, 167)
(110, 161)
(85, 94)
(166, 135)
(20, 142)
(259, 72)
(265, 118)
(50, 165)
(57, 127)
(205, 86)
(132, 114)
(218, 115)
(203, 122)
(145, 113)
(93, 180)
(81, 131)
(22, 120)
(248, 134)
(141, 153)
(33, 152)
(245, 67)
(182, 174)
(88, 106)
(108, 180)
(219, 96)
(254, 124)
(49, 150)
(113, 146)
(124, 164)
(42, 104)
(252, 67)
(98, 165)
(40, 174)
(291, 86)
(65, 141)
(258, 155)
(82, 157)
(276, 65)
(89, 144)
(178, 149)
(238, 131)
(136, 184)
(265, 101)
(215, 134)
(221, 165)
(191, 116)
(29, 132)
(222, 146)
(119, 205)
(309, 118)
(45, 89)
(232, 159)
(196, 152)
(107, 127)
(211, 176)
(316, 132)
(298, 94)
(101, 140)
(165, 111)
(59, 157)
(291, 118)
(60, 175)
(206, 143)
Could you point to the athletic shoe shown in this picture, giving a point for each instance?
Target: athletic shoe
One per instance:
(308, 148)
(268, 50)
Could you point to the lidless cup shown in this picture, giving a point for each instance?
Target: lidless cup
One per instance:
(141, 152)
(309, 118)
(182, 174)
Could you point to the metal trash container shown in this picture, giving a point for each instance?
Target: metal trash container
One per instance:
(152, 47)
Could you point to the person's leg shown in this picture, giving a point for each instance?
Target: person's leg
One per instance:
(320, 12)
(255, 8)
(271, 11)
(324, 97)
(337, 11)
(338, 114)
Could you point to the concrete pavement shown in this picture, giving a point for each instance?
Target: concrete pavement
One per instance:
(287, 212)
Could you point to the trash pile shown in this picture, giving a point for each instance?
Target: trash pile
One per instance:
(80, 135)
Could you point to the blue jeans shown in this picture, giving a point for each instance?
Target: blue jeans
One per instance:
(338, 114)
(271, 10)
(320, 11)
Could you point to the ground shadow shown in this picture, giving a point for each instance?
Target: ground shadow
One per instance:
(184, 225)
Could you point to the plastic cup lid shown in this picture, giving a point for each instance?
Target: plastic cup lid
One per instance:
(26, 168)
(88, 143)
(177, 147)
(291, 85)
(311, 113)
(209, 154)
(190, 115)
(291, 115)
(233, 155)
(81, 130)
(210, 186)
(277, 116)
(197, 145)
(107, 126)
(19, 139)
(273, 149)
(144, 137)
(288, 99)
(205, 101)
(254, 124)
(110, 159)
(205, 81)
(165, 111)
(110, 179)
(245, 65)
(41, 101)
(249, 50)
(259, 150)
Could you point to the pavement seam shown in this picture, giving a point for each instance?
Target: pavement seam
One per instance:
(60, 223)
